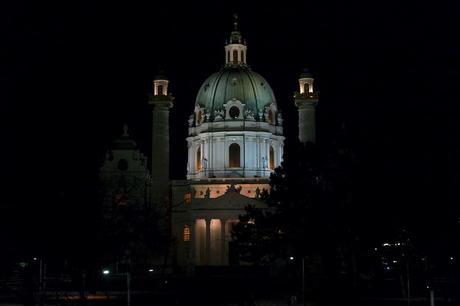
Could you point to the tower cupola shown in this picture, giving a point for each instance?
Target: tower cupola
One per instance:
(160, 85)
(306, 82)
(306, 100)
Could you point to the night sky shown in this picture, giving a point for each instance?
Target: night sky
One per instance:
(73, 72)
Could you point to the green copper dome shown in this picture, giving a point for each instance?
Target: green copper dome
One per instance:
(235, 82)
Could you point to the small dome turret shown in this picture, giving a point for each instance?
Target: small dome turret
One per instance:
(160, 85)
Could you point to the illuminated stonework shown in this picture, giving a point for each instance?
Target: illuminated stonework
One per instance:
(235, 141)
(235, 111)
(210, 154)
(306, 101)
(212, 190)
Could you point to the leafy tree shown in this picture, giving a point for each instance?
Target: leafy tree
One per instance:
(281, 230)
(133, 232)
(309, 214)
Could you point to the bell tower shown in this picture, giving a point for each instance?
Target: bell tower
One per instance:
(306, 100)
(161, 101)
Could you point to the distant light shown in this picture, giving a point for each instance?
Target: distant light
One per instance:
(291, 258)
(166, 282)
(105, 272)
(388, 268)
(35, 258)
(427, 287)
(395, 261)
(150, 270)
(375, 249)
(451, 258)
(386, 244)
(233, 139)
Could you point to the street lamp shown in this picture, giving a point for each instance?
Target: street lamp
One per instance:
(106, 272)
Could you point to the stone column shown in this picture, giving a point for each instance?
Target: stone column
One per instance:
(206, 155)
(307, 119)
(160, 148)
(223, 241)
(208, 241)
(267, 156)
(192, 243)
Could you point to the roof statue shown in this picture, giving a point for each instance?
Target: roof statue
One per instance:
(125, 130)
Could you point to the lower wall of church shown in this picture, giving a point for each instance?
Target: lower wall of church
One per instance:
(202, 226)
(208, 243)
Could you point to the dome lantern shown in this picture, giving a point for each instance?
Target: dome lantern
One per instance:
(235, 49)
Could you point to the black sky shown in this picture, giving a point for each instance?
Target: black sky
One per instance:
(74, 72)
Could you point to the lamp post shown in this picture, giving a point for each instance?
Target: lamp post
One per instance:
(128, 287)
(303, 280)
(106, 273)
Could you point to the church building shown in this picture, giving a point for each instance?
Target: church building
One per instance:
(235, 140)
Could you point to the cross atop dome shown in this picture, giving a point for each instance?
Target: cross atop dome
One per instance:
(235, 22)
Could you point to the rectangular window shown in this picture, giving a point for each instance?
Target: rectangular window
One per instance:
(186, 233)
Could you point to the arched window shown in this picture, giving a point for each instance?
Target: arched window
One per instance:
(306, 88)
(198, 159)
(235, 56)
(234, 155)
(186, 232)
(272, 158)
(160, 90)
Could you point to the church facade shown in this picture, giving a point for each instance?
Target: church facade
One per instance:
(235, 140)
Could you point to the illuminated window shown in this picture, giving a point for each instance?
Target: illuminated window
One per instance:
(186, 232)
(235, 56)
(198, 159)
(306, 88)
(272, 158)
(234, 155)
(187, 198)
(160, 89)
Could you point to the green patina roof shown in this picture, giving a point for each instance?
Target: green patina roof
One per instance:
(235, 82)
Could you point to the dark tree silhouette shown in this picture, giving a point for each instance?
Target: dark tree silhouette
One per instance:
(309, 216)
